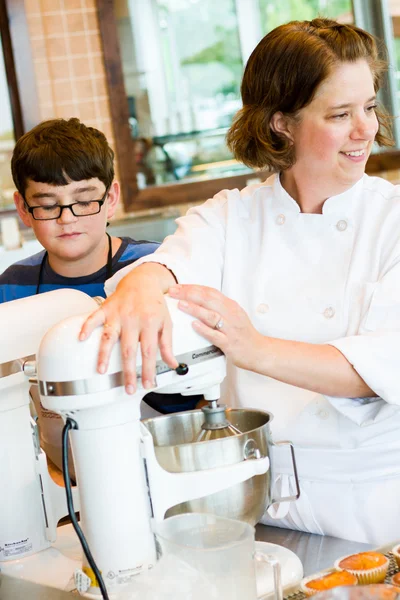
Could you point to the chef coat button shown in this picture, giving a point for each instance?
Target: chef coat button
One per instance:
(280, 219)
(341, 225)
(323, 414)
(262, 308)
(329, 312)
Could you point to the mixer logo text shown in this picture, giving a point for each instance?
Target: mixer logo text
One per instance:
(16, 543)
(206, 353)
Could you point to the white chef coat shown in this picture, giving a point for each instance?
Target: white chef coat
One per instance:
(320, 278)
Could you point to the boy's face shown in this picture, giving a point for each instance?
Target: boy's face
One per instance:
(69, 238)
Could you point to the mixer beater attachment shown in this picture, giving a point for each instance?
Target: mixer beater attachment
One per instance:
(216, 424)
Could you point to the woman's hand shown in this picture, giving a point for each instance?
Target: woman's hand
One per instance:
(320, 368)
(221, 321)
(136, 312)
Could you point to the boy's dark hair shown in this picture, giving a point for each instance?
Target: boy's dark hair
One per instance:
(59, 151)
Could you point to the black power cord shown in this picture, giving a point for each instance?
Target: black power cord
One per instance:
(71, 424)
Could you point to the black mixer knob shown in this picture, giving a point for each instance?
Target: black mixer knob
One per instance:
(182, 369)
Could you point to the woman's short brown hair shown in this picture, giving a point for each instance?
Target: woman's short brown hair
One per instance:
(283, 73)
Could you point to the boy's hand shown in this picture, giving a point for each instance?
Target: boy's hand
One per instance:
(136, 312)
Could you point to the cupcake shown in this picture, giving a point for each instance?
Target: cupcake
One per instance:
(313, 585)
(368, 567)
(395, 580)
(375, 591)
(396, 554)
(378, 591)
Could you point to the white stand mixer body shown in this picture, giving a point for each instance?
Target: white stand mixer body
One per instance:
(27, 525)
(115, 505)
(22, 520)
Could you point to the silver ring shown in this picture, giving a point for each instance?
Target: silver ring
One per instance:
(219, 325)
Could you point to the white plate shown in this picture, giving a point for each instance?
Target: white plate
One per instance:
(291, 568)
(55, 566)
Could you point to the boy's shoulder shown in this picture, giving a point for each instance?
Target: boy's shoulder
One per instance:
(131, 250)
(23, 270)
(20, 279)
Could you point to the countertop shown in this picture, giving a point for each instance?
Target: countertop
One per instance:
(316, 552)
(18, 589)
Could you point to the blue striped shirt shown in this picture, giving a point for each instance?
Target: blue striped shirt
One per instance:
(21, 279)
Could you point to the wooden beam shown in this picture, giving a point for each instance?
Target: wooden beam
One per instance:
(124, 145)
(396, 26)
(10, 71)
(384, 161)
(183, 193)
(19, 65)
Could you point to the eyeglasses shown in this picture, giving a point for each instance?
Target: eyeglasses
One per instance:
(78, 209)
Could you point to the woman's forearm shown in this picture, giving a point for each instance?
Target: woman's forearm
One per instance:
(320, 368)
(317, 367)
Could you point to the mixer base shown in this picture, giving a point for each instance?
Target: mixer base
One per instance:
(53, 567)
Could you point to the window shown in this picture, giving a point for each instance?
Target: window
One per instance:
(183, 87)
(153, 43)
(7, 141)
(182, 64)
(393, 44)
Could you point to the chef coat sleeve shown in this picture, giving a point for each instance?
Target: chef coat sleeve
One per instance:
(375, 353)
(195, 252)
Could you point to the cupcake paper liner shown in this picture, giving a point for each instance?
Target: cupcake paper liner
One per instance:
(366, 576)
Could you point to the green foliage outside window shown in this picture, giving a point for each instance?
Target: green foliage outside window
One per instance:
(276, 13)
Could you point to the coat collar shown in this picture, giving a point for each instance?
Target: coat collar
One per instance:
(340, 204)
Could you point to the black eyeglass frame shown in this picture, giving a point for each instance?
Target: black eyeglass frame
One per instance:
(61, 207)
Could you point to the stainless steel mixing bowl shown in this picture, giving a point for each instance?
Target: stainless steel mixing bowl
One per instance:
(176, 452)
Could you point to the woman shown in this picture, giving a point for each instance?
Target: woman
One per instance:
(296, 279)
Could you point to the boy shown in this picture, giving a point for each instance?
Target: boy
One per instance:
(66, 192)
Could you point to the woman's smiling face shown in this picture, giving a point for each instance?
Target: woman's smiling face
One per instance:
(334, 134)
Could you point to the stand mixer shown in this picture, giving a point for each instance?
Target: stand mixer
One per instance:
(122, 488)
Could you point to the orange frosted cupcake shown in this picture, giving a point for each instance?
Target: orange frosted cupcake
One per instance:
(377, 591)
(368, 567)
(395, 580)
(313, 585)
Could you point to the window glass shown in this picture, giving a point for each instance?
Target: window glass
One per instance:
(183, 88)
(394, 11)
(183, 62)
(7, 141)
(276, 12)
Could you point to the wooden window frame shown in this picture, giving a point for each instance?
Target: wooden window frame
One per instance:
(19, 70)
(165, 195)
(153, 196)
(19, 66)
(25, 110)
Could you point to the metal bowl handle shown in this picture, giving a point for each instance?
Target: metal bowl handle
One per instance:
(296, 479)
